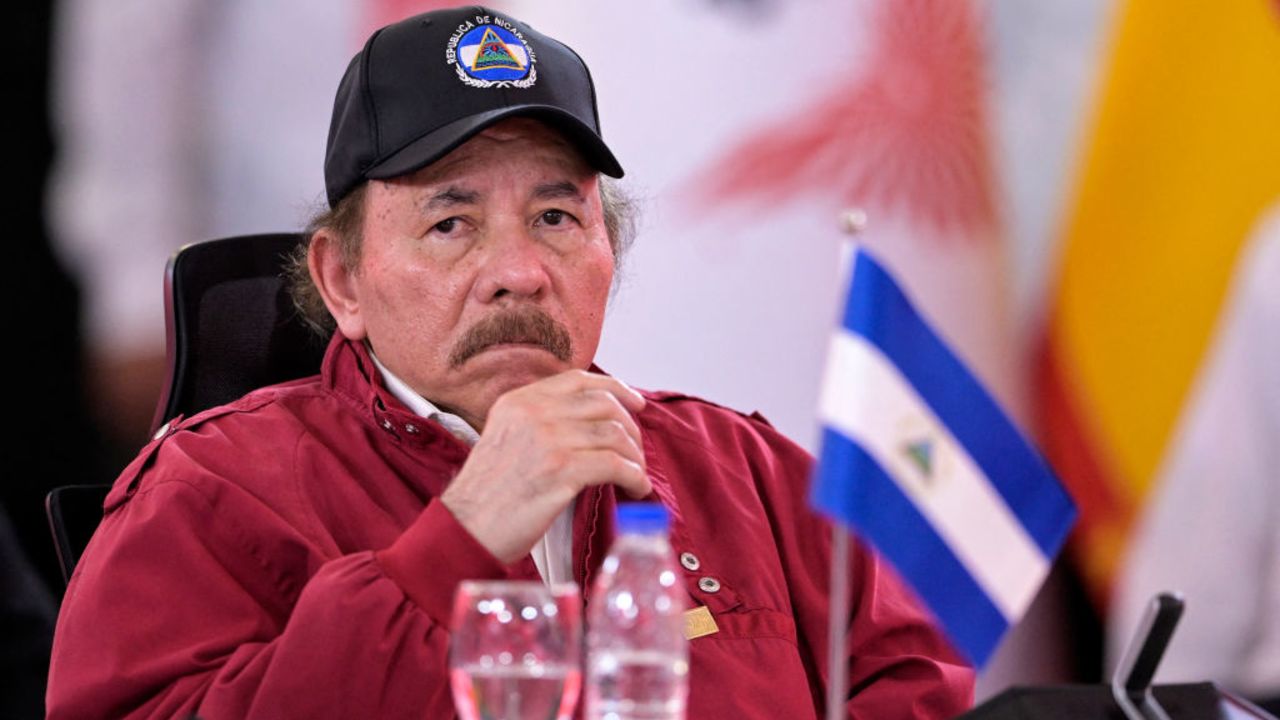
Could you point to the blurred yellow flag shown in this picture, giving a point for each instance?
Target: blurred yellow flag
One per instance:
(1183, 157)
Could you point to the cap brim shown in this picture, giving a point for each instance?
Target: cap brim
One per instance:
(441, 141)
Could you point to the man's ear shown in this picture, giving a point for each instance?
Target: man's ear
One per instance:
(336, 282)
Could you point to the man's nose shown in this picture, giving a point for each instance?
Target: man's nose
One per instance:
(514, 267)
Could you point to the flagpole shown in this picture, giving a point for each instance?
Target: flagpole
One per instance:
(837, 627)
(852, 222)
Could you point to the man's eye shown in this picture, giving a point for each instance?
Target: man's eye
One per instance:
(554, 217)
(446, 226)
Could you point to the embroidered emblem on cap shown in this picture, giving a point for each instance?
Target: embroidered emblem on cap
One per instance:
(490, 52)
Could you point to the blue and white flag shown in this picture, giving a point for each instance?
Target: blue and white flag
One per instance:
(920, 461)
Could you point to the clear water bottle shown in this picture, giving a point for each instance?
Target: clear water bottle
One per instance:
(637, 654)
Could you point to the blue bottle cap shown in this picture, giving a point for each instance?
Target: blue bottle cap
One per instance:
(643, 518)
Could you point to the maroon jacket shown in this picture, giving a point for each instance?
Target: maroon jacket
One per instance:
(281, 557)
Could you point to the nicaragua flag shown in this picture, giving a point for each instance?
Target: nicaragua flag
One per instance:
(919, 460)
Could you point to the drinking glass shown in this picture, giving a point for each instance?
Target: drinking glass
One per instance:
(516, 650)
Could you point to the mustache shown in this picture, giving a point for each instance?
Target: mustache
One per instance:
(529, 325)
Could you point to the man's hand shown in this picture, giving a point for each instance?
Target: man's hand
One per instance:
(542, 444)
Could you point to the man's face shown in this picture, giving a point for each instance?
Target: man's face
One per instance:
(486, 270)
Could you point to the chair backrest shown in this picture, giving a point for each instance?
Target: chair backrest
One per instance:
(231, 328)
(74, 512)
(231, 324)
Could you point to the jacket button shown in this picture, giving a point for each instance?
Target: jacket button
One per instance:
(160, 431)
(411, 429)
(689, 561)
(709, 584)
(386, 424)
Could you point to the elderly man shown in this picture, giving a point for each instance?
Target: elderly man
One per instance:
(294, 554)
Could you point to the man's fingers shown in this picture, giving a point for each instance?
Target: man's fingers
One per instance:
(583, 381)
(631, 399)
(602, 406)
(597, 467)
(608, 435)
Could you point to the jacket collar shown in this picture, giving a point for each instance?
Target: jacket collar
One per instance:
(348, 371)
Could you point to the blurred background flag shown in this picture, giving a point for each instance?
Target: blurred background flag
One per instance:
(1182, 160)
(920, 461)
(1211, 526)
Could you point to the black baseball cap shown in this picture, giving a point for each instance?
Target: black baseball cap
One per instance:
(423, 86)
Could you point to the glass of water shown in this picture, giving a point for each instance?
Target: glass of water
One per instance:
(516, 650)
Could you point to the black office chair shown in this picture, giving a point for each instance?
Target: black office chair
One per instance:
(231, 328)
(74, 512)
(231, 325)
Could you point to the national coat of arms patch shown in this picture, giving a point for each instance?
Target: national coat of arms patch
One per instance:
(489, 51)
